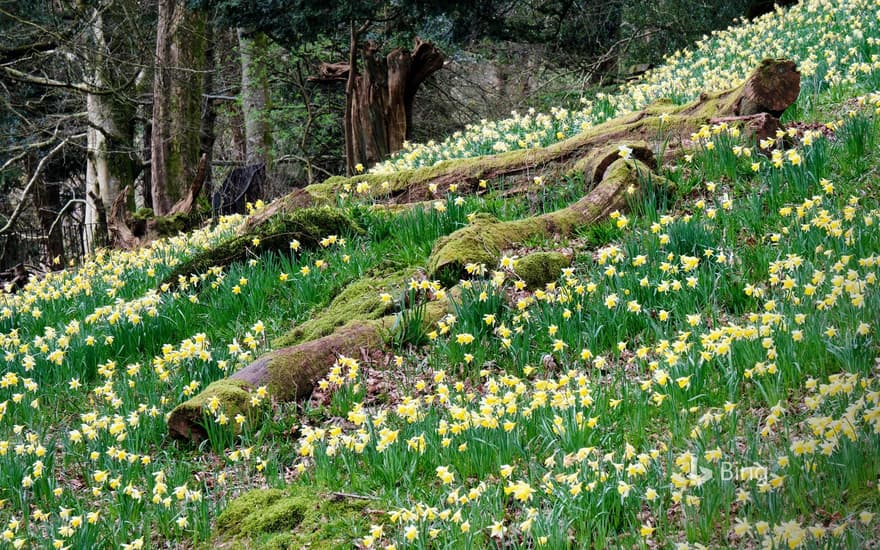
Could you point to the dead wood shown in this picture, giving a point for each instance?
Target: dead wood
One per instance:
(615, 158)
(755, 105)
(289, 373)
(185, 205)
(121, 235)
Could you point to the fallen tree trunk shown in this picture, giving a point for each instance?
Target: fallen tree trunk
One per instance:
(289, 373)
(483, 241)
(308, 226)
(292, 372)
(615, 158)
(757, 104)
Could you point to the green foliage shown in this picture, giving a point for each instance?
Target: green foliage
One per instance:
(730, 330)
(294, 22)
(409, 329)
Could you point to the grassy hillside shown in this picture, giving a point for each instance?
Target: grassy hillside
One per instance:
(705, 372)
(834, 43)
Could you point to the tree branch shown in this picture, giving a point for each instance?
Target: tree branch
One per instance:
(61, 212)
(30, 184)
(25, 149)
(45, 81)
(10, 55)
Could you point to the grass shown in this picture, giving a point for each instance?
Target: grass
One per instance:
(704, 373)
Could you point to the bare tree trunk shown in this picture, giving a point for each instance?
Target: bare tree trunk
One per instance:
(381, 109)
(349, 101)
(110, 137)
(254, 96)
(47, 199)
(142, 195)
(207, 133)
(177, 100)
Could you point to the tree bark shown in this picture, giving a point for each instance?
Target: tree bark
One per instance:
(47, 199)
(207, 126)
(254, 96)
(380, 96)
(117, 223)
(177, 100)
(110, 138)
(348, 117)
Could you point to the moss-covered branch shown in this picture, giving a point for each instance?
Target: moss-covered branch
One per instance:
(308, 226)
(359, 300)
(291, 372)
(484, 240)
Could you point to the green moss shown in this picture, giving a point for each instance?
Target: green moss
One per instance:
(283, 541)
(471, 244)
(230, 521)
(282, 515)
(308, 226)
(175, 223)
(185, 419)
(298, 517)
(660, 106)
(142, 215)
(359, 300)
(139, 221)
(539, 268)
(481, 242)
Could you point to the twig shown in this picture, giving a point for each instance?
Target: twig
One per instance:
(340, 496)
(25, 149)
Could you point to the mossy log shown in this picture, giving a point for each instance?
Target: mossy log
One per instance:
(359, 300)
(291, 373)
(539, 268)
(308, 226)
(757, 104)
(186, 419)
(485, 238)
